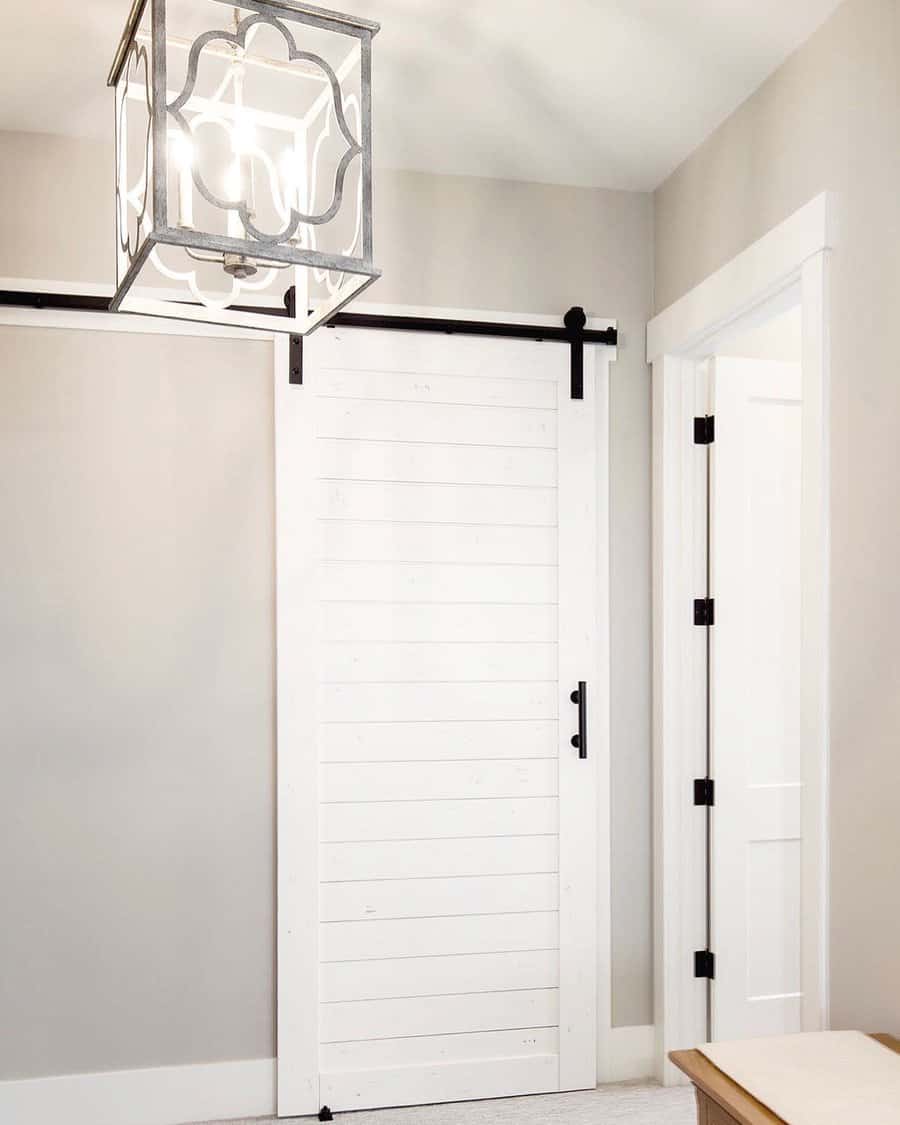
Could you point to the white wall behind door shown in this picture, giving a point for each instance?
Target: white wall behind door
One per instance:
(137, 657)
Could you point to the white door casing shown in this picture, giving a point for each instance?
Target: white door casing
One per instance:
(757, 907)
(438, 519)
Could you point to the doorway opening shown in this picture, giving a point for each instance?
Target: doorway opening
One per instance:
(754, 785)
(740, 644)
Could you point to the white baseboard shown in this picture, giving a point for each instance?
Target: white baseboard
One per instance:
(174, 1095)
(168, 1095)
(631, 1054)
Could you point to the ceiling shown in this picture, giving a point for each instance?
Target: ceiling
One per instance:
(600, 93)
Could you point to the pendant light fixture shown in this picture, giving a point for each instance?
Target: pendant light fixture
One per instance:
(243, 161)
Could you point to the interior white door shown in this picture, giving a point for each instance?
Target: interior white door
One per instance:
(757, 833)
(455, 613)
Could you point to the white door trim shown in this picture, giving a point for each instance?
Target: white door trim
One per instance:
(786, 266)
(297, 829)
(740, 287)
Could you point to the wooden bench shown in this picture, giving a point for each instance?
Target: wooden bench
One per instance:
(721, 1101)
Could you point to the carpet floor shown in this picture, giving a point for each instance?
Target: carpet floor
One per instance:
(627, 1104)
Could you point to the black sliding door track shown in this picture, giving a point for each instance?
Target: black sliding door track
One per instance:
(572, 331)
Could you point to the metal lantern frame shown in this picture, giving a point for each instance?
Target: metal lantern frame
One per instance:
(280, 248)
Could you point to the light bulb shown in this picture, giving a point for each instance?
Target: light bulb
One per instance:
(288, 165)
(182, 150)
(234, 193)
(292, 169)
(243, 136)
(234, 189)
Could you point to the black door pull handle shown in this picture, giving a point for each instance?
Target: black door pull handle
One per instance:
(579, 741)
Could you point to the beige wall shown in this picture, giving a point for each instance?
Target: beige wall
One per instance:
(136, 611)
(142, 813)
(830, 119)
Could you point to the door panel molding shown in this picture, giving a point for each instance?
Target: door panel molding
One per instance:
(756, 671)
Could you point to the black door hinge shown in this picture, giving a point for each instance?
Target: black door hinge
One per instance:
(704, 791)
(705, 430)
(704, 611)
(704, 965)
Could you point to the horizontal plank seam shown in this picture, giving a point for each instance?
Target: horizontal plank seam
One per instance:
(439, 917)
(369, 401)
(439, 878)
(407, 682)
(539, 380)
(439, 644)
(435, 995)
(437, 956)
(384, 683)
(426, 605)
(438, 523)
(437, 1034)
(496, 525)
(362, 722)
(436, 839)
(430, 762)
(549, 449)
(387, 722)
(439, 562)
(439, 483)
(415, 800)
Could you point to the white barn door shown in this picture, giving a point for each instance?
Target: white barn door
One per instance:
(439, 890)
(756, 665)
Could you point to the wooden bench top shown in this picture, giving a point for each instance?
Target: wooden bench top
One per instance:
(734, 1099)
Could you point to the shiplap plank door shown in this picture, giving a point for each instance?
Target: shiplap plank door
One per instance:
(452, 510)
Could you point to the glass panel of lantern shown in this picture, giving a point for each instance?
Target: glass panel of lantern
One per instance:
(243, 161)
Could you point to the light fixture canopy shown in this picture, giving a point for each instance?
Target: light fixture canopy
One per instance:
(243, 162)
